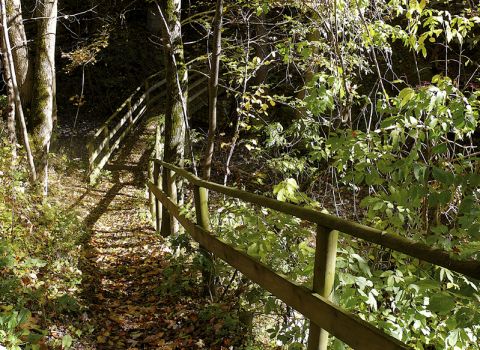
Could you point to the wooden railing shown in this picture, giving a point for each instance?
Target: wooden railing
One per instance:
(315, 304)
(111, 134)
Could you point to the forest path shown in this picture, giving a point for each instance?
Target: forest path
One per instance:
(124, 261)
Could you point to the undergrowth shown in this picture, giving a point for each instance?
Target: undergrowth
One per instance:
(39, 256)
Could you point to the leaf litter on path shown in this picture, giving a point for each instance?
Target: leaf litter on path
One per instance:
(123, 268)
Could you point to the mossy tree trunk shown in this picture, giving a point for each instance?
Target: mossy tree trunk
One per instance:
(177, 87)
(43, 101)
(20, 52)
(15, 92)
(10, 111)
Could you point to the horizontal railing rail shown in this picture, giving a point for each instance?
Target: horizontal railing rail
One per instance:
(114, 130)
(326, 318)
(421, 251)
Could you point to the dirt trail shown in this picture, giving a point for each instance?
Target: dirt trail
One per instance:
(124, 258)
(136, 294)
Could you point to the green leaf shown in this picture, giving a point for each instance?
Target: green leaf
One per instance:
(419, 171)
(405, 95)
(474, 231)
(443, 176)
(67, 341)
(441, 148)
(253, 249)
(453, 337)
(441, 303)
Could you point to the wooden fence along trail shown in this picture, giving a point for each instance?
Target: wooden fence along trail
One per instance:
(315, 303)
(114, 130)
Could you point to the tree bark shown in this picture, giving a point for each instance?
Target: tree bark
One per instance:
(312, 36)
(213, 89)
(261, 48)
(16, 92)
(10, 115)
(44, 87)
(20, 52)
(177, 87)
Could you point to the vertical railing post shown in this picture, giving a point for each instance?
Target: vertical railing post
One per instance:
(157, 206)
(130, 114)
(150, 178)
(106, 135)
(166, 227)
(323, 280)
(201, 211)
(90, 159)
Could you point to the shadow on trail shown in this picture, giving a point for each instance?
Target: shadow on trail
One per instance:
(137, 295)
(123, 258)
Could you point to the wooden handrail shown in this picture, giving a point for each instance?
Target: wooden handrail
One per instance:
(110, 135)
(421, 251)
(351, 329)
(325, 317)
(124, 104)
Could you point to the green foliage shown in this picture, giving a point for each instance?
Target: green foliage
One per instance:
(17, 330)
(280, 241)
(39, 255)
(405, 155)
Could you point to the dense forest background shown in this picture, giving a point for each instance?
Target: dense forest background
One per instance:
(368, 110)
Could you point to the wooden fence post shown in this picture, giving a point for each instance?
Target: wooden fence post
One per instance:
(201, 212)
(147, 94)
(106, 135)
(157, 207)
(90, 158)
(166, 227)
(323, 279)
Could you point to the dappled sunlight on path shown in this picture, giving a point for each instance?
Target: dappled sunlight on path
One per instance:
(123, 257)
(135, 293)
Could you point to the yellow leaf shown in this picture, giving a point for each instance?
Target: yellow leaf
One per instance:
(101, 339)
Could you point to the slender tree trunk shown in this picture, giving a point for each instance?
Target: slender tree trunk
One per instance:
(177, 87)
(11, 125)
(213, 89)
(20, 53)
(261, 48)
(44, 87)
(309, 73)
(16, 92)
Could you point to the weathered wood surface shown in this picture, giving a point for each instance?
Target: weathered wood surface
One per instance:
(114, 130)
(117, 126)
(345, 326)
(323, 280)
(421, 251)
(99, 166)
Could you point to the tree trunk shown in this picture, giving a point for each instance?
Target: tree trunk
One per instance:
(20, 54)
(312, 36)
(11, 126)
(213, 89)
(261, 48)
(177, 86)
(44, 87)
(16, 93)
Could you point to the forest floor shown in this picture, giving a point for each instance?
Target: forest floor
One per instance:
(134, 294)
